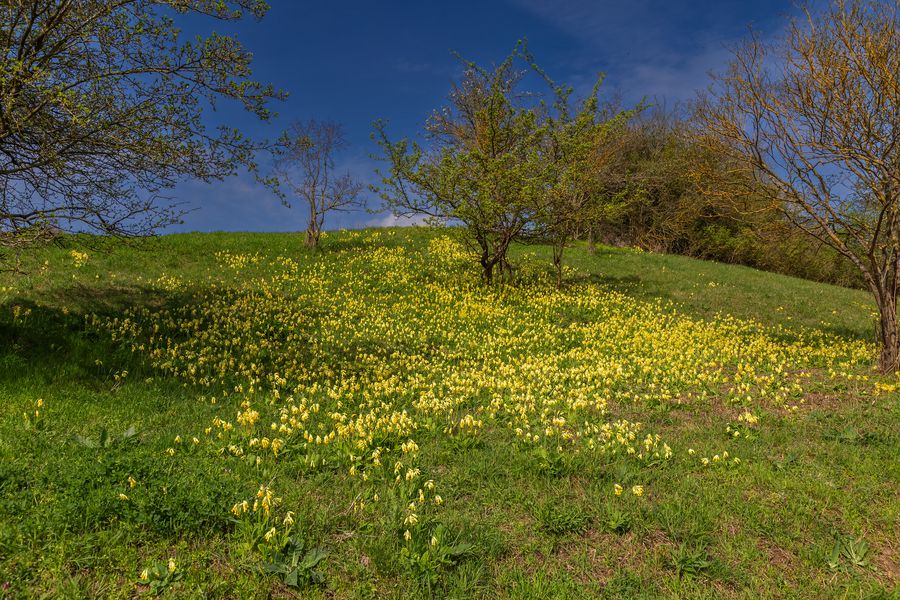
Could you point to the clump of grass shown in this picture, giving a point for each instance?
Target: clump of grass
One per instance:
(560, 518)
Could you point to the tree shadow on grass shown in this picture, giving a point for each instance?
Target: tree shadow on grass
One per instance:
(110, 300)
(627, 284)
(849, 333)
(630, 285)
(49, 338)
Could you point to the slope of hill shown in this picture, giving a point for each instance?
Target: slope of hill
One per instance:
(210, 413)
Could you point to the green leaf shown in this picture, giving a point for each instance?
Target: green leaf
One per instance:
(272, 568)
(835, 561)
(87, 443)
(312, 558)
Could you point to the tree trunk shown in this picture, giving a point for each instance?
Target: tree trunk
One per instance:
(506, 269)
(313, 229)
(889, 361)
(487, 271)
(590, 241)
(312, 236)
(557, 262)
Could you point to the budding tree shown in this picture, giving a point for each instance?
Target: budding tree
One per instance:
(580, 147)
(816, 117)
(102, 110)
(482, 166)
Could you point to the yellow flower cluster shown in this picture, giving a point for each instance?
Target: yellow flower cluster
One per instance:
(263, 503)
(886, 388)
(718, 460)
(79, 259)
(237, 261)
(353, 357)
(748, 417)
(20, 313)
(170, 283)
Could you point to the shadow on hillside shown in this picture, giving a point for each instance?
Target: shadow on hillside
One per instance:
(630, 285)
(110, 300)
(850, 333)
(625, 283)
(50, 339)
(55, 344)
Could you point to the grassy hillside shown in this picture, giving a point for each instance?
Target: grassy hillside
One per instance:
(231, 415)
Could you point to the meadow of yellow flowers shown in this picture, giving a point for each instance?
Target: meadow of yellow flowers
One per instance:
(362, 378)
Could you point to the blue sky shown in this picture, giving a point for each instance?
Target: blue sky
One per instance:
(355, 61)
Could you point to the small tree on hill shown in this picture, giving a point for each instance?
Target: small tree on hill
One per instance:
(817, 119)
(579, 146)
(483, 167)
(304, 162)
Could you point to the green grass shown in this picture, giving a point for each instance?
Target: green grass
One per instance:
(817, 473)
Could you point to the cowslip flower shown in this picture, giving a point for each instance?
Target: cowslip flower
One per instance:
(617, 489)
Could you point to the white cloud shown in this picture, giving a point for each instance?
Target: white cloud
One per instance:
(676, 78)
(656, 49)
(392, 220)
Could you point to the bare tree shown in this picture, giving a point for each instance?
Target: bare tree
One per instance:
(816, 118)
(101, 111)
(304, 162)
